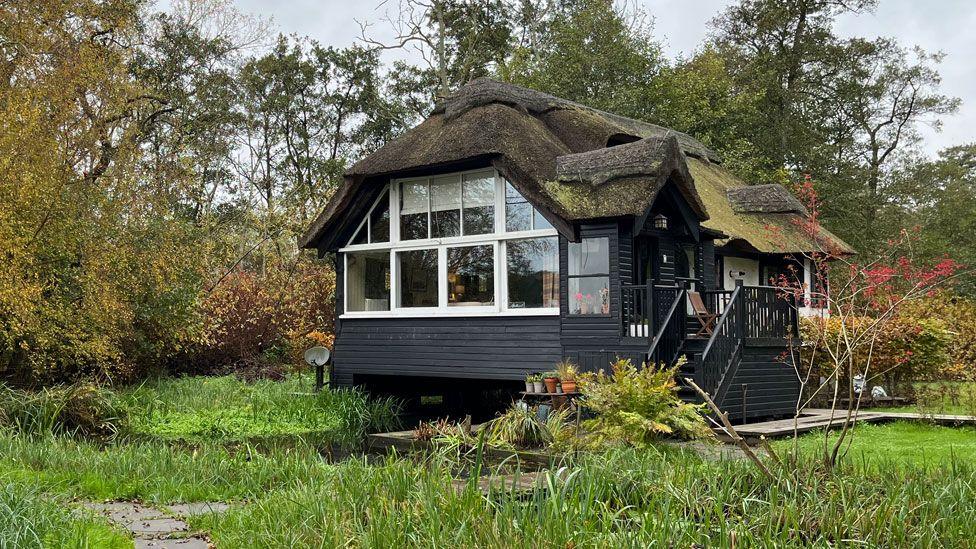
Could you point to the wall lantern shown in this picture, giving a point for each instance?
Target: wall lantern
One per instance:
(661, 222)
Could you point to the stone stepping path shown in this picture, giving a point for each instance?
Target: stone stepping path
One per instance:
(162, 528)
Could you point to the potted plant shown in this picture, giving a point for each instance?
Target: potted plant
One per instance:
(528, 383)
(566, 371)
(582, 304)
(537, 385)
(550, 379)
(605, 301)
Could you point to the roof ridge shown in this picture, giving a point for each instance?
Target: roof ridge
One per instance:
(484, 90)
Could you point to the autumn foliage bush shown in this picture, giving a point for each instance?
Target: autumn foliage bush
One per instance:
(252, 319)
(959, 316)
(907, 348)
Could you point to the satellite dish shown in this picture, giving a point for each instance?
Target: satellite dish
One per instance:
(317, 356)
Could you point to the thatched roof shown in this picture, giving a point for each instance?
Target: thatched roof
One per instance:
(760, 220)
(554, 151)
(772, 198)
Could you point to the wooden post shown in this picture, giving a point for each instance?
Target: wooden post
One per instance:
(740, 317)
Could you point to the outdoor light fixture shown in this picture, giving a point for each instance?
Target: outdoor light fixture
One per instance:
(661, 222)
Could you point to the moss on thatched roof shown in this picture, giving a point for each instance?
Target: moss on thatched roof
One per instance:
(761, 231)
(558, 154)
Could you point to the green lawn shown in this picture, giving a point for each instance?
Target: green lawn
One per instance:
(905, 443)
(291, 496)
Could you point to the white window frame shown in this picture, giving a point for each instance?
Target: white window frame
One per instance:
(497, 239)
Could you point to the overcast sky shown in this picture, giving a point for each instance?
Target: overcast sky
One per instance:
(682, 25)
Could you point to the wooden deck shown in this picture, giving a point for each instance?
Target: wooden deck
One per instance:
(816, 418)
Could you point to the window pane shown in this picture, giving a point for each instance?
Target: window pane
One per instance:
(445, 223)
(591, 256)
(445, 207)
(418, 278)
(533, 273)
(360, 236)
(413, 211)
(471, 276)
(368, 281)
(589, 295)
(518, 212)
(539, 221)
(479, 204)
(380, 220)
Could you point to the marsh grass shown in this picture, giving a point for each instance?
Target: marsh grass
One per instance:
(621, 498)
(157, 471)
(80, 408)
(30, 518)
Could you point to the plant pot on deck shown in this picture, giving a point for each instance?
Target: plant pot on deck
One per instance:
(550, 383)
(538, 387)
(529, 386)
(569, 385)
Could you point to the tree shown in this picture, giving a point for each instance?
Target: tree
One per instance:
(593, 53)
(98, 277)
(769, 46)
(880, 94)
(457, 40)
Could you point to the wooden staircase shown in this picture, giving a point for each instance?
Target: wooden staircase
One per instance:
(740, 363)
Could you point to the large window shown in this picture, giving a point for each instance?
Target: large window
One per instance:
(368, 274)
(465, 243)
(533, 273)
(471, 276)
(414, 204)
(589, 276)
(418, 278)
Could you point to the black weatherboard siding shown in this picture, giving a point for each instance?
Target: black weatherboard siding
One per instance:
(502, 347)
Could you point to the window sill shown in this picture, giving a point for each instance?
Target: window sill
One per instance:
(437, 313)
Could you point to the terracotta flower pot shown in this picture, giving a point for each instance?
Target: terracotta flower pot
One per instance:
(569, 385)
(550, 384)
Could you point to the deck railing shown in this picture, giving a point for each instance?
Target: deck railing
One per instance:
(770, 312)
(636, 303)
(671, 329)
(724, 344)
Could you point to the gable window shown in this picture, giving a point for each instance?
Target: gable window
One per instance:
(376, 227)
(519, 214)
(589, 276)
(454, 244)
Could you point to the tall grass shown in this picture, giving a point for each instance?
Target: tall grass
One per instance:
(618, 499)
(29, 519)
(157, 471)
(80, 408)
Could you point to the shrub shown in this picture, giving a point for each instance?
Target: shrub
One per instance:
(250, 318)
(907, 349)
(959, 316)
(637, 406)
(80, 408)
